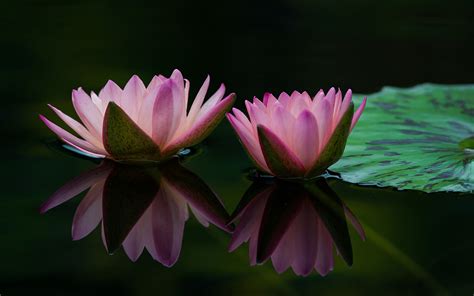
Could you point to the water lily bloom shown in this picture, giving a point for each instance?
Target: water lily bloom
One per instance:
(296, 135)
(140, 207)
(139, 123)
(295, 225)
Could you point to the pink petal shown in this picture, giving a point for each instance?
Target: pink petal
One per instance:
(243, 119)
(317, 100)
(78, 128)
(358, 113)
(257, 116)
(318, 96)
(295, 95)
(272, 104)
(267, 97)
(155, 82)
(282, 123)
(306, 98)
(337, 106)
(330, 97)
(132, 96)
(110, 93)
(89, 212)
(203, 125)
(187, 85)
(145, 115)
(180, 92)
(196, 106)
(306, 139)
(211, 102)
(88, 112)
(66, 136)
(177, 77)
(284, 99)
(324, 120)
(250, 143)
(297, 105)
(259, 104)
(345, 104)
(85, 152)
(166, 112)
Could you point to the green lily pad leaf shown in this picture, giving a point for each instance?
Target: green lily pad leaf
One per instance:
(414, 138)
(124, 140)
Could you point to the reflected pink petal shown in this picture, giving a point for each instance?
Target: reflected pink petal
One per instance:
(305, 239)
(76, 186)
(324, 260)
(89, 212)
(138, 237)
(168, 226)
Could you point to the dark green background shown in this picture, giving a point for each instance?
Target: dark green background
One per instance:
(417, 243)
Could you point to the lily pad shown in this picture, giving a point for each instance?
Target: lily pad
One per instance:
(414, 138)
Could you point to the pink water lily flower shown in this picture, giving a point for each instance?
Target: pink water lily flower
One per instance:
(141, 122)
(296, 135)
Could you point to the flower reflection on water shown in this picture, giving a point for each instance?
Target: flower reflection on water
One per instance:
(294, 224)
(141, 207)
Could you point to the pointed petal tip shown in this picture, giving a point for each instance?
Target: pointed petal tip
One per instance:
(43, 208)
(45, 120)
(229, 116)
(231, 97)
(348, 94)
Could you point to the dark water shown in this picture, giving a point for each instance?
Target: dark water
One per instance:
(416, 243)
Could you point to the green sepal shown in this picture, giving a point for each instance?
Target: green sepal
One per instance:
(124, 140)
